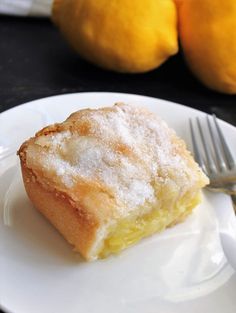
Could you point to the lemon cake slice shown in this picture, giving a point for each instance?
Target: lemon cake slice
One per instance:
(105, 178)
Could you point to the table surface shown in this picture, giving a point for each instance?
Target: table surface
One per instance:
(36, 62)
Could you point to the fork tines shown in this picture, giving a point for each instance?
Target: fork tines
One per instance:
(216, 151)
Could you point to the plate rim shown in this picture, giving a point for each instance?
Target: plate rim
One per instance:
(169, 102)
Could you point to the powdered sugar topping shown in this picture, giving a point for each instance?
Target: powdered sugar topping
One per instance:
(126, 149)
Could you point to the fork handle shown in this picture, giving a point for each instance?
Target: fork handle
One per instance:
(227, 231)
(233, 198)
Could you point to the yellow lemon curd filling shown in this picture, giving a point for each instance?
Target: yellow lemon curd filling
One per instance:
(130, 230)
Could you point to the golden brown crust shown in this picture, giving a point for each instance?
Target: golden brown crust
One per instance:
(94, 200)
(71, 221)
(101, 166)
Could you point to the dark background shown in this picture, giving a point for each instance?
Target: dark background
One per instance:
(36, 62)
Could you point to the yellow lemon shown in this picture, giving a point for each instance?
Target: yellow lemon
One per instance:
(208, 37)
(121, 35)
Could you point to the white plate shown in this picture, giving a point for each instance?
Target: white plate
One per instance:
(181, 270)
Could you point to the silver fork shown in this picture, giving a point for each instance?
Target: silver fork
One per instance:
(216, 160)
